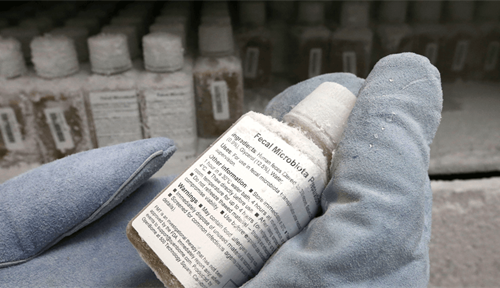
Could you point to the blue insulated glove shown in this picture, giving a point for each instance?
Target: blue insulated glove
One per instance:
(375, 226)
(41, 207)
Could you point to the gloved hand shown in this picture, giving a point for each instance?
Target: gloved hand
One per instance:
(41, 207)
(375, 226)
(374, 229)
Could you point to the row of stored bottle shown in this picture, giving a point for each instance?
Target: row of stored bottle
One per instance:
(305, 38)
(460, 48)
(65, 108)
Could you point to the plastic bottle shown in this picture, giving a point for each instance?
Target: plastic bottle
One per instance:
(218, 80)
(393, 34)
(310, 42)
(167, 93)
(427, 32)
(254, 41)
(457, 59)
(112, 91)
(58, 99)
(19, 150)
(281, 17)
(486, 50)
(352, 42)
(257, 186)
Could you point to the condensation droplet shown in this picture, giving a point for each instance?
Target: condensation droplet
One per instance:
(383, 128)
(371, 145)
(391, 80)
(376, 135)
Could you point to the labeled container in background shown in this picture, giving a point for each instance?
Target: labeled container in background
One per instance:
(254, 43)
(256, 187)
(58, 100)
(310, 42)
(393, 35)
(218, 80)
(167, 93)
(281, 15)
(427, 31)
(458, 54)
(19, 149)
(352, 42)
(485, 64)
(112, 91)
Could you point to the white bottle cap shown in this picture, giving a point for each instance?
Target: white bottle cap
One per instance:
(162, 52)
(24, 35)
(129, 31)
(427, 11)
(215, 40)
(43, 24)
(311, 12)
(92, 24)
(109, 53)
(354, 14)
(11, 59)
(54, 56)
(323, 114)
(173, 28)
(461, 11)
(252, 12)
(393, 11)
(79, 36)
(488, 11)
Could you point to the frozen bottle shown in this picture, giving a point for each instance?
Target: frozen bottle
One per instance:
(428, 33)
(112, 91)
(218, 80)
(167, 93)
(254, 41)
(352, 43)
(393, 35)
(310, 42)
(458, 56)
(256, 187)
(19, 149)
(58, 98)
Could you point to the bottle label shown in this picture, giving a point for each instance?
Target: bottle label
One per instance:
(220, 103)
(431, 52)
(251, 62)
(59, 128)
(171, 113)
(315, 55)
(10, 129)
(219, 221)
(116, 117)
(349, 62)
(460, 55)
(492, 56)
